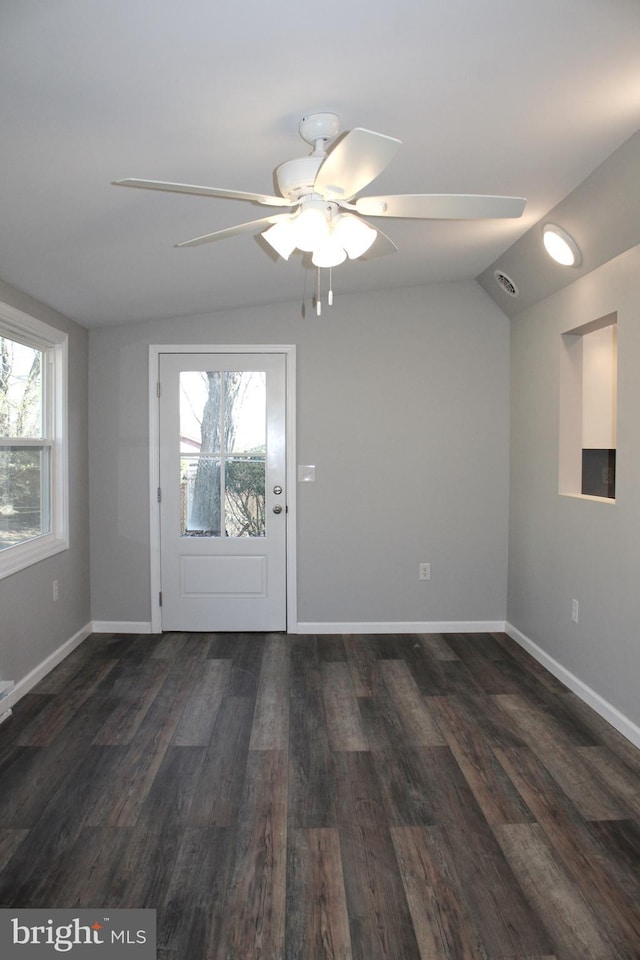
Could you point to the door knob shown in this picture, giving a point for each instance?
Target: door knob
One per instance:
(277, 490)
(277, 508)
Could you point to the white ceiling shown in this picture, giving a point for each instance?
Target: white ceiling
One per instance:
(488, 96)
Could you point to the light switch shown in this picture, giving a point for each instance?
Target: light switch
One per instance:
(306, 473)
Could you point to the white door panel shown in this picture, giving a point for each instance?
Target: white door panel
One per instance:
(224, 576)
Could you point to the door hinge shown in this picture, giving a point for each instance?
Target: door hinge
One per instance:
(159, 495)
(160, 599)
(158, 388)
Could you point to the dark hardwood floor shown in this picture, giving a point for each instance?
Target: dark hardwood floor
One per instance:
(410, 797)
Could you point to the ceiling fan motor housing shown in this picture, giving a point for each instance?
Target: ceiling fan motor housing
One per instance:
(296, 178)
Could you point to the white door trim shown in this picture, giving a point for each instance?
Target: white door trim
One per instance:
(289, 352)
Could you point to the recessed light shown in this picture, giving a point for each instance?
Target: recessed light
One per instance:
(561, 246)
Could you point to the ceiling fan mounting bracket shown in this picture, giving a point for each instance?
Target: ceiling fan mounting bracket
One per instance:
(319, 127)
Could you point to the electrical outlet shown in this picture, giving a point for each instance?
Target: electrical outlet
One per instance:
(424, 571)
(575, 609)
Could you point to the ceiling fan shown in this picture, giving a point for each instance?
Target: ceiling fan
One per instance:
(325, 215)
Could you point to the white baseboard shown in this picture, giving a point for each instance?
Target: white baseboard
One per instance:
(27, 683)
(6, 686)
(121, 626)
(404, 626)
(611, 714)
(399, 626)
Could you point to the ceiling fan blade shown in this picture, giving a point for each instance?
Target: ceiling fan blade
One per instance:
(205, 191)
(354, 162)
(441, 206)
(250, 227)
(380, 247)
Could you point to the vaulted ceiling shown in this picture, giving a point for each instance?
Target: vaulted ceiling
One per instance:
(488, 96)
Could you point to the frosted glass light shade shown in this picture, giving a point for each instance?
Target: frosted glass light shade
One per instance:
(330, 254)
(311, 229)
(354, 235)
(282, 238)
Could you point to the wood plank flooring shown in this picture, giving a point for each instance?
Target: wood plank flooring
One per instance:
(275, 797)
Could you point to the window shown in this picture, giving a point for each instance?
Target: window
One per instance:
(33, 447)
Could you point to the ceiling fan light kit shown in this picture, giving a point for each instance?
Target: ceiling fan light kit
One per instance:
(321, 230)
(325, 215)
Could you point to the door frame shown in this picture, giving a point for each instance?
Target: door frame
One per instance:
(289, 352)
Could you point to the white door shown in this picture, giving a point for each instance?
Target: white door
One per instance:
(222, 491)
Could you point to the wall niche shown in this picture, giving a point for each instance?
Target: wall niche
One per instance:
(589, 409)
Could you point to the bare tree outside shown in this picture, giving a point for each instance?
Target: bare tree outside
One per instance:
(21, 466)
(242, 513)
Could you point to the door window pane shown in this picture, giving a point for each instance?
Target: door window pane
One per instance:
(246, 411)
(200, 496)
(244, 496)
(222, 453)
(245, 466)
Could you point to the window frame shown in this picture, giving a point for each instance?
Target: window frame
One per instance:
(20, 326)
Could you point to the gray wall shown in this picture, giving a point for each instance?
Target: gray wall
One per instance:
(402, 405)
(32, 626)
(562, 547)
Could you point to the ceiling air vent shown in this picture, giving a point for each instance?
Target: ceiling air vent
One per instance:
(506, 283)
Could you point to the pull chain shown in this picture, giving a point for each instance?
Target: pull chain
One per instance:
(329, 293)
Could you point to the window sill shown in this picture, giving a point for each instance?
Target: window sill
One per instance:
(22, 555)
(586, 496)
